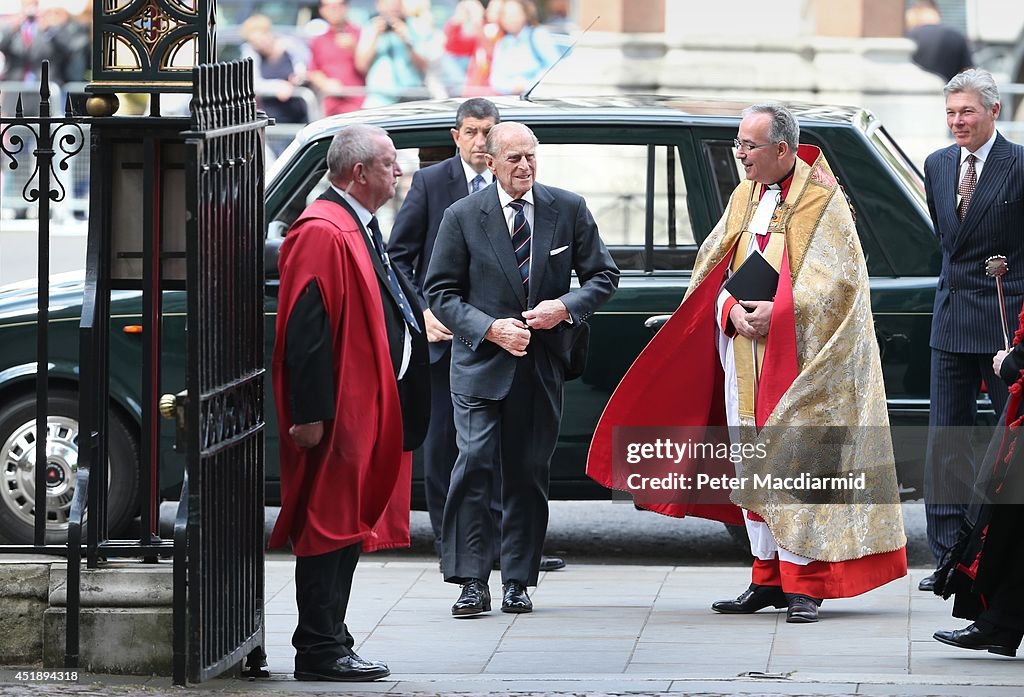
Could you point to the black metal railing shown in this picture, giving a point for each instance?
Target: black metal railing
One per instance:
(34, 142)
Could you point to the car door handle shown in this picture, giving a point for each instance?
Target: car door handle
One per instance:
(654, 323)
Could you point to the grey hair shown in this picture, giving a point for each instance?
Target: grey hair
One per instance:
(499, 128)
(975, 80)
(784, 127)
(350, 146)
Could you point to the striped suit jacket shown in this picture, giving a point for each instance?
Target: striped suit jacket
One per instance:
(966, 311)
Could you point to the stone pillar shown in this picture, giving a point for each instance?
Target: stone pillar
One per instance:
(622, 15)
(882, 18)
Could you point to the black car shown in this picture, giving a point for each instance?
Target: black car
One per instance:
(656, 171)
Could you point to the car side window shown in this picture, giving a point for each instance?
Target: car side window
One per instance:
(409, 159)
(612, 177)
(726, 170)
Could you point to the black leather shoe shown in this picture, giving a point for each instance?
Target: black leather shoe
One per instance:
(751, 600)
(345, 669)
(551, 563)
(970, 637)
(927, 583)
(515, 598)
(802, 608)
(475, 599)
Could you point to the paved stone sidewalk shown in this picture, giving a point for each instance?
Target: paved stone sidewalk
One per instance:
(611, 630)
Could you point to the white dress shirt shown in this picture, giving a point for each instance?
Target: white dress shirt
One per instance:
(364, 219)
(471, 175)
(981, 154)
(510, 212)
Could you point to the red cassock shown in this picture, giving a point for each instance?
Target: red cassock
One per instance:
(355, 485)
(678, 381)
(658, 391)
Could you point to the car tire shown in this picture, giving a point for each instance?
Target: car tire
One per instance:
(17, 471)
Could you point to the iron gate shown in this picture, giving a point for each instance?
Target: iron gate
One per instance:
(223, 408)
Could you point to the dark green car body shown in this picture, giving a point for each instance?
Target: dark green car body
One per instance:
(656, 172)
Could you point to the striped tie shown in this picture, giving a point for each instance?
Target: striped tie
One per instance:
(521, 241)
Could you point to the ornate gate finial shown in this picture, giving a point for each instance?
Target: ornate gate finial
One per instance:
(151, 46)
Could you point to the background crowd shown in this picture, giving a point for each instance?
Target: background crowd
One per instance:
(403, 53)
(388, 51)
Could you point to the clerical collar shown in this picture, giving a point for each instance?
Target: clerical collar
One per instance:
(781, 185)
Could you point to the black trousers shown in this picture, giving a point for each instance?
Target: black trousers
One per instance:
(1004, 615)
(949, 463)
(516, 436)
(440, 451)
(1002, 566)
(323, 585)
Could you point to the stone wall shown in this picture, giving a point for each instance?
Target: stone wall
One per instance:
(872, 73)
(125, 622)
(24, 590)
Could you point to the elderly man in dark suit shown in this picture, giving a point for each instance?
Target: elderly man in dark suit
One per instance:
(499, 279)
(975, 192)
(433, 189)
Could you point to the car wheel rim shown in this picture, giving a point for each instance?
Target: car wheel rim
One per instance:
(19, 459)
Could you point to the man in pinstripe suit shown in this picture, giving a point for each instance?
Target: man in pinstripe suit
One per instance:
(975, 192)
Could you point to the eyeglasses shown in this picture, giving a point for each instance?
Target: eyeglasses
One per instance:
(740, 145)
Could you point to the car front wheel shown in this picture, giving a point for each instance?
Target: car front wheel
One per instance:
(18, 460)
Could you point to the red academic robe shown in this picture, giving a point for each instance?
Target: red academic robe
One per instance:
(354, 486)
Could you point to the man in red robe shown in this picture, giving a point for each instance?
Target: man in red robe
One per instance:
(352, 393)
(785, 392)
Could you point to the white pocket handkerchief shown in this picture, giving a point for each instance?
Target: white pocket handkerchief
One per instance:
(553, 252)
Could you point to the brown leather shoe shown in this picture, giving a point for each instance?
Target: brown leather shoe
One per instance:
(751, 600)
(474, 600)
(802, 608)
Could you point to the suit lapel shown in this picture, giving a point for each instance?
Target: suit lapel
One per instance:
(545, 217)
(378, 265)
(993, 174)
(946, 182)
(492, 220)
(457, 186)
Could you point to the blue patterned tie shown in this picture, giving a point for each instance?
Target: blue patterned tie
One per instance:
(521, 241)
(396, 288)
(477, 184)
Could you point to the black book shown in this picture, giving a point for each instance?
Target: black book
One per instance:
(754, 280)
